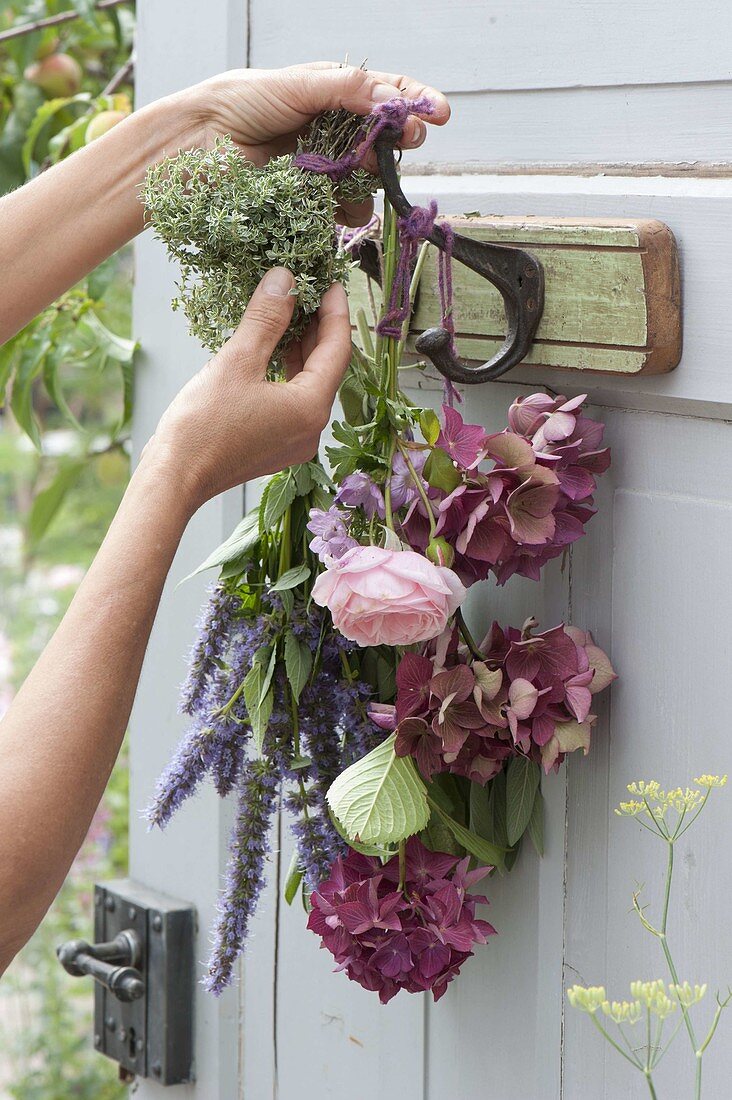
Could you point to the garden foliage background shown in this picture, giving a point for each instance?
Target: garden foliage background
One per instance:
(67, 386)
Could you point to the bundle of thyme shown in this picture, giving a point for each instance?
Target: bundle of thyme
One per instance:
(227, 222)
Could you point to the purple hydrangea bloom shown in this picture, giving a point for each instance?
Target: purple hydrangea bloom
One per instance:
(387, 939)
(531, 696)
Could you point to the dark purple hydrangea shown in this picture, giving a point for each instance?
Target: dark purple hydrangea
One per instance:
(530, 505)
(531, 696)
(388, 939)
(245, 871)
(212, 638)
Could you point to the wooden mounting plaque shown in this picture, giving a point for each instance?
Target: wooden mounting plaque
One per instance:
(612, 299)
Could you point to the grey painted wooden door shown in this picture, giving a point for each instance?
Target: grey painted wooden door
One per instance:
(567, 107)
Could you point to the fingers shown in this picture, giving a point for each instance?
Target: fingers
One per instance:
(332, 86)
(264, 322)
(354, 214)
(326, 364)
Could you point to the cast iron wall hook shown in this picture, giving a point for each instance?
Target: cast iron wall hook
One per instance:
(517, 275)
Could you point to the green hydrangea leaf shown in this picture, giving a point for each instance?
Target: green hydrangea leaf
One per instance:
(440, 472)
(522, 782)
(380, 799)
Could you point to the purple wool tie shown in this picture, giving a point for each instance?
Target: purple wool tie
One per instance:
(412, 229)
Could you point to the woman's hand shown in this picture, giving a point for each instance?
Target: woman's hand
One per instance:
(229, 423)
(264, 110)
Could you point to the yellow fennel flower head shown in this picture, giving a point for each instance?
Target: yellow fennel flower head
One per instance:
(630, 809)
(623, 1012)
(686, 994)
(710, 781)
(649, 790)
(587, 998)
(653, 996)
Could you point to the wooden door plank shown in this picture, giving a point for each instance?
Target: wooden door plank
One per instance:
(651, 577)
(509, 43)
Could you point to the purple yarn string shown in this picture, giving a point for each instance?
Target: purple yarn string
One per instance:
(392, 114)
(414, 228)
(444, 279)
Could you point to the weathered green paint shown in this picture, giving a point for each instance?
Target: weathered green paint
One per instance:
(596, 311)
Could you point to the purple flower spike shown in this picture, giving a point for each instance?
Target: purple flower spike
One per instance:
(245, 872)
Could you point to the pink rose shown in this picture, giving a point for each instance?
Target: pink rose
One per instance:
(388, 597)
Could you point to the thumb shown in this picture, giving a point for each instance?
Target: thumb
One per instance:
(265, 320)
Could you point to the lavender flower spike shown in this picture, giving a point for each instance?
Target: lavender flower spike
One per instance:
(245, 872)
(213, 629)
(181, 777)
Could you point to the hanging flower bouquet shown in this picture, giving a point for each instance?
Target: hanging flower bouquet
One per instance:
(334, 672)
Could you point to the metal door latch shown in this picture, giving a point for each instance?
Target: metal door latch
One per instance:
(142, 966)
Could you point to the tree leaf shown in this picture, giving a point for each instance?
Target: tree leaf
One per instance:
(440, 472)
(42, 116)
(535, 828)
(21, 402)
(281, 493)
(380, 799)
(522, 781)
(483, 850)
(47, 503)
(109, 343)
(240, 542)
(291, 578)
(298, 663)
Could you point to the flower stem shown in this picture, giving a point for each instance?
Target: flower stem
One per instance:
(402, 864)
(419, 486)
(467, 636)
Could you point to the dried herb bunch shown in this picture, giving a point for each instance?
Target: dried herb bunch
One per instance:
(333, 134)
(227, 222)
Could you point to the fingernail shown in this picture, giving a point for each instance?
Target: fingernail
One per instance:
(382, 92)
(416, 133)
(278, 281)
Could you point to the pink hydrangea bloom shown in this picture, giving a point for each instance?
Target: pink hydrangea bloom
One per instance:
(531, 696)
(388, 939)
(388, 597)
(530, 505)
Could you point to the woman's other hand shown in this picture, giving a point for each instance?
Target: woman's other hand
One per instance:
(230, 423)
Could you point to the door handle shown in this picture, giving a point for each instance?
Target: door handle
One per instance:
(113, 964)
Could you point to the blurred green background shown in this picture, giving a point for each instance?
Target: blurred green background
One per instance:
(65, 404)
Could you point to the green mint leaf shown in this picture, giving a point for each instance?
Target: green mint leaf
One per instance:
(298, 664)
(238, 547)
(291, 578)
(535, 828)
(282, 492)
(485, 852)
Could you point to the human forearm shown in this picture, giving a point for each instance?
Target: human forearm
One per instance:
(68, 219)
(61, 736)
